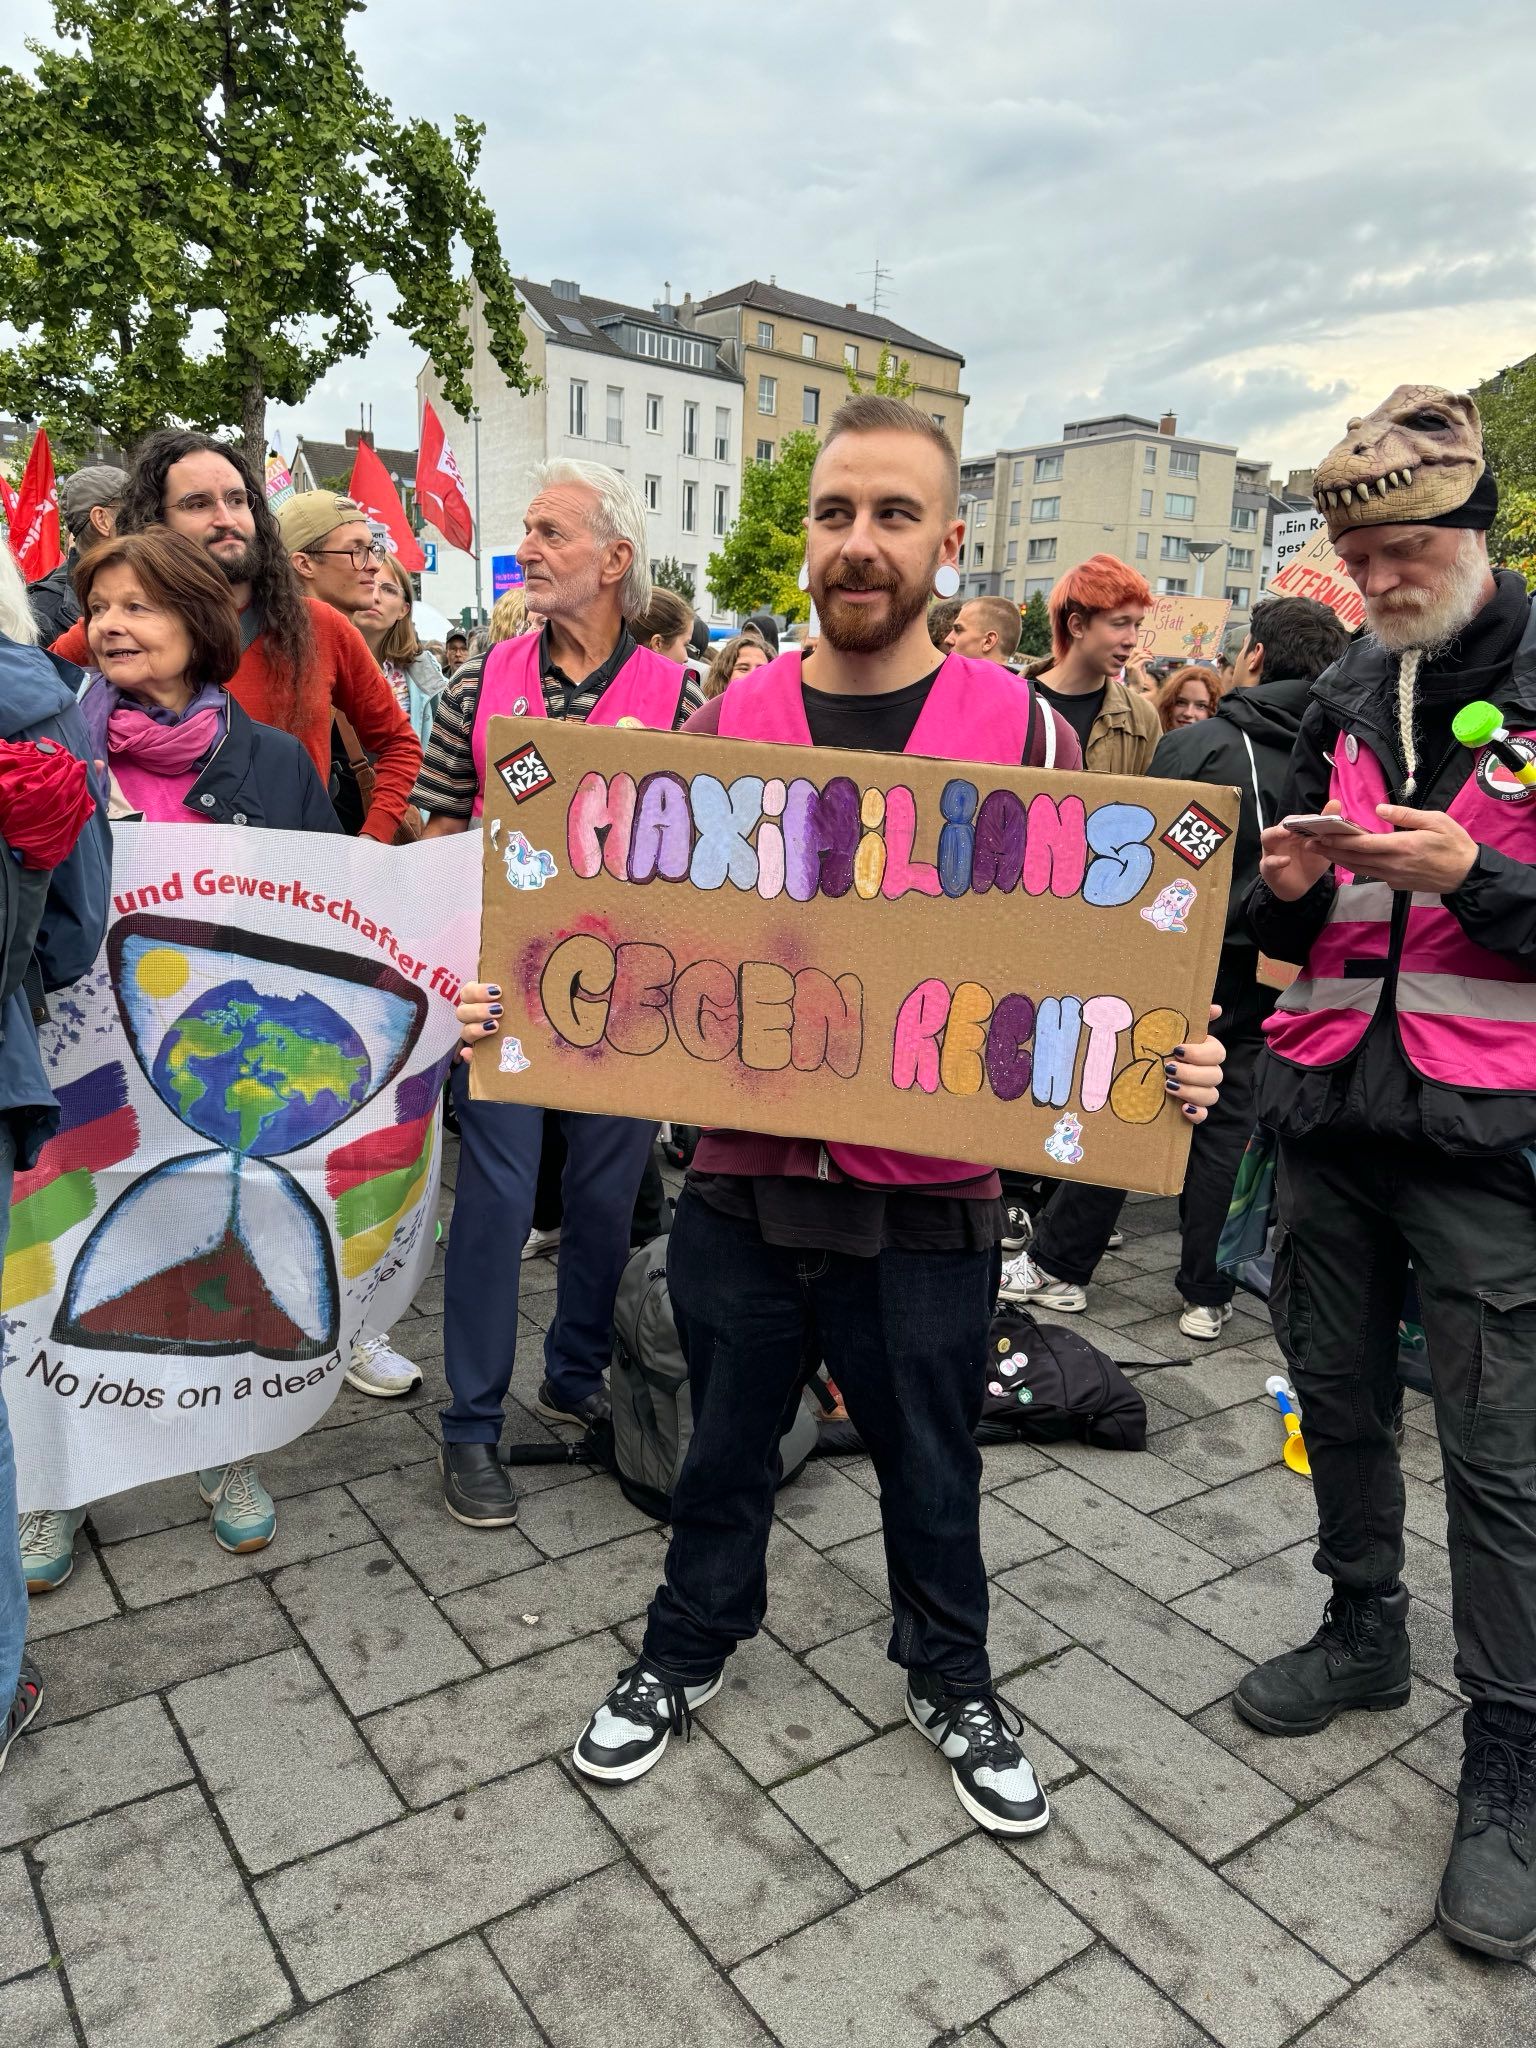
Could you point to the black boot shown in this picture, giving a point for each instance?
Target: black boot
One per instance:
(1358, 1658)
(476, 1489)
(1488, 1894)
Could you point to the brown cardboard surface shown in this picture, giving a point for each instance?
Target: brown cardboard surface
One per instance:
(892, 1014)
(1317, 572)
(1189, 628)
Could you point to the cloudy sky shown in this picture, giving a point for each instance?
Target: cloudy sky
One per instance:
(1262, 216)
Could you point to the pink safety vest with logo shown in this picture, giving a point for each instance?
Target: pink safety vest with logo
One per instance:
(648, 689)
(975, 711)
(1465, 1016)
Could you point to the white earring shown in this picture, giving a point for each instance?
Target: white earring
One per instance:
(946, 580)
(804, 578)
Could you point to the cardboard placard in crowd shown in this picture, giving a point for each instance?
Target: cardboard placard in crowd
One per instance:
(1188, 628)
(1316, 572)
(976, 963)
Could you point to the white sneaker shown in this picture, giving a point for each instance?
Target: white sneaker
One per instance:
(633, 1726)
(1116, 1239)
(1023, 1280)
(1020, 1228)
(542, 1244)
(1200, 1321)
(377, 1368)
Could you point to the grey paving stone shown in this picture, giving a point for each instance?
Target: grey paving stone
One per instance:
(1434, 1996)
(1247, 1981)
(857, 1664)
(141, 1510)
(641, 1975)
(1156, 1251)
(1007, 1538)
(158, 1934)
(286, 1769)
(174, 1562)
(1427, 1571)
(735, 1870)
(1097, 2001)
(826, 1507)
(1355, 1876)
(1178, 1776)
(1129, 1543)
(1128, 1346)
(879, 1807)
(773, 1715)
(1266, 1607)
(1001, 1464)
(1424, 1510)
(1433, 1642)
(1228, 1378)
(1436, 1754)
(932, 1950)
(561, 1520)
(1116, 1306)
(493, 1849)
(406, 1506)
(421, 1339)
(498, 1722)
(137, 1653)
(32, 2011)
(565, 1599)
(1157, 1649)
(1419, 1455)
(809, 1599)
(1140, 1478)
(1248, 1518)
(1307, 1766)
(83, 1598)
(73, 1769)
(1225, 1445)
(373, 1631)
(328, 1457)
(455, 1994)
(23, 1943)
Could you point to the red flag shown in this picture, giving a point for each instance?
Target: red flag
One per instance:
(7, 500)
(374, 490)
(34, 518)
(440, 488)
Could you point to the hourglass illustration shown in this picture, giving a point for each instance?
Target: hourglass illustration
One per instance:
(262, 1047)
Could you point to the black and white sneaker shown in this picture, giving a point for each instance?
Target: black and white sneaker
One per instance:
(993, 1778)
(20, 1710)
(1019, 1229)
(634, 1724)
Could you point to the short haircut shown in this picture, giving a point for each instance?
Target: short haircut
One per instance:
(1000, 616)
(870, 413)
(1101, 584)
(664, 618)
(942, 614)
(619, 515)
(1299, 637)
(181, 578)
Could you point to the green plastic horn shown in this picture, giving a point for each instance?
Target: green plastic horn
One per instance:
(1475, 724)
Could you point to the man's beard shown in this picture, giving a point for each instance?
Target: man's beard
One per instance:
(576, 594)
(1432, 619)
(241, 568)
(857, 629)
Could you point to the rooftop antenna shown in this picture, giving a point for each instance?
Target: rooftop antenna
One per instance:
(882, 279)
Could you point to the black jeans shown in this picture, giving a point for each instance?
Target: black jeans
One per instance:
(904, 1335)
(1075, 1230)
(1352, 1216)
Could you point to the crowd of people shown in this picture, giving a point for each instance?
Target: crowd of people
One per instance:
(261, 671)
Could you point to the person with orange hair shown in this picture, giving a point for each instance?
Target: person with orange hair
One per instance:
(1096, 613)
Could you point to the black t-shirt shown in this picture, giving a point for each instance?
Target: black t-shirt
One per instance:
(1079, 711)
(836, 1215)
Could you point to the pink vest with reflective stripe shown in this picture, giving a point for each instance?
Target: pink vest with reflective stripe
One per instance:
(1465, 1016)
(976, 711)
(647, 689)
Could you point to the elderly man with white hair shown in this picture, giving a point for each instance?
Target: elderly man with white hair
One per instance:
(585, 569)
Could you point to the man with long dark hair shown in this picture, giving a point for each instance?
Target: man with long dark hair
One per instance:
(302, 660)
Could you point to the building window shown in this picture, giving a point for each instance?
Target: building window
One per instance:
(690, 508)
(1141, 546)
(1183, 462)
(1172, 586)
(765, 451)
(1047, 469)
(1013, 553)
(615, 413)
(1178, 505)
(1042, 550)
(578, 418)
(1013, 513)
(1149, 458)
(722, 433)
(983, 507)
(653, 413)
(851, 354)
(765, 334)
(1146, 504)
(1018, 474)
(978, 556)
(691, 574)
(1008, 588)
(653, 494)
(767, 394)
(1237, 596)
(810, 406)
(1045, 508)
(1239, 558)
(722, 510)
(1037, 585)
(1245, 519)
(1174, 548)
(808, 347)
(690, 427)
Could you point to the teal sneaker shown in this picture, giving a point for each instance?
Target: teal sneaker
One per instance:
(244, 1517)
(48, 1546)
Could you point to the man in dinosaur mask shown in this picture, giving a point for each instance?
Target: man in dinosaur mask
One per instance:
(1400, 1073)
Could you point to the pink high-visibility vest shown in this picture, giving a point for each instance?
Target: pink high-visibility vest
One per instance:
(976, 711)
(648, 689)
(1464, 1014)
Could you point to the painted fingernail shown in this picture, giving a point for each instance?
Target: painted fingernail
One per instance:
(1180, 1052)
(1170, 1069)
(495, 1009)
(492, 989)
(488, 1026)
(1172, 1087)
(1189, 1109)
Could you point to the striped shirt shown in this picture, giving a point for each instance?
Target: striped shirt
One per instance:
(447, 785)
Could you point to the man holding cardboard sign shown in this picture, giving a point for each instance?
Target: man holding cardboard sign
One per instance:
(885, 1262)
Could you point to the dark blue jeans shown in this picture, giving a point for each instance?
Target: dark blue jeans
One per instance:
(904, 1336)
(492, 1213)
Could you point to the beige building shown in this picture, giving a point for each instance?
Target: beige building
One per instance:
(1120, 485)
(791, 352)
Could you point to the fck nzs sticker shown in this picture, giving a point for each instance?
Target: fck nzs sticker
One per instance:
(525, 773)
(1195, 835)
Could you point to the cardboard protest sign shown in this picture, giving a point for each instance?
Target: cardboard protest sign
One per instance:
(247, 1165)
(1189, 628)
(975, 963)
(1315, 571)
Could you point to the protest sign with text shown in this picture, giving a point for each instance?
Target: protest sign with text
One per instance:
(982, 963)
(1315, 571)
(1189, 628)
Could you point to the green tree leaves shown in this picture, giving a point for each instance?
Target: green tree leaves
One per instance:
(1035, 627)
(758, 565)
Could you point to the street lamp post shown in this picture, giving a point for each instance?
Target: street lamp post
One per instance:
(1202, 551)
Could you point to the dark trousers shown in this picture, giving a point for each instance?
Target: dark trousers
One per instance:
(904, 1335)
(1352, 1217)
(1075, 1230)
(499, 1144)
(650, 1218)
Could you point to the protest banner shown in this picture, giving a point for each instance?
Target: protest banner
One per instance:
(1188, 628)
(1315, 571)
(1292, 531)
(982, 963)
(247, 1167)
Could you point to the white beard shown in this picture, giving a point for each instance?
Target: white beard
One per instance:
(1431, 619)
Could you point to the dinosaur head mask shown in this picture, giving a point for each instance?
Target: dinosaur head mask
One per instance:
(1416, 460)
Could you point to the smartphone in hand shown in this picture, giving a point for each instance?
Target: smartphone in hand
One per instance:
(1320, 825)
